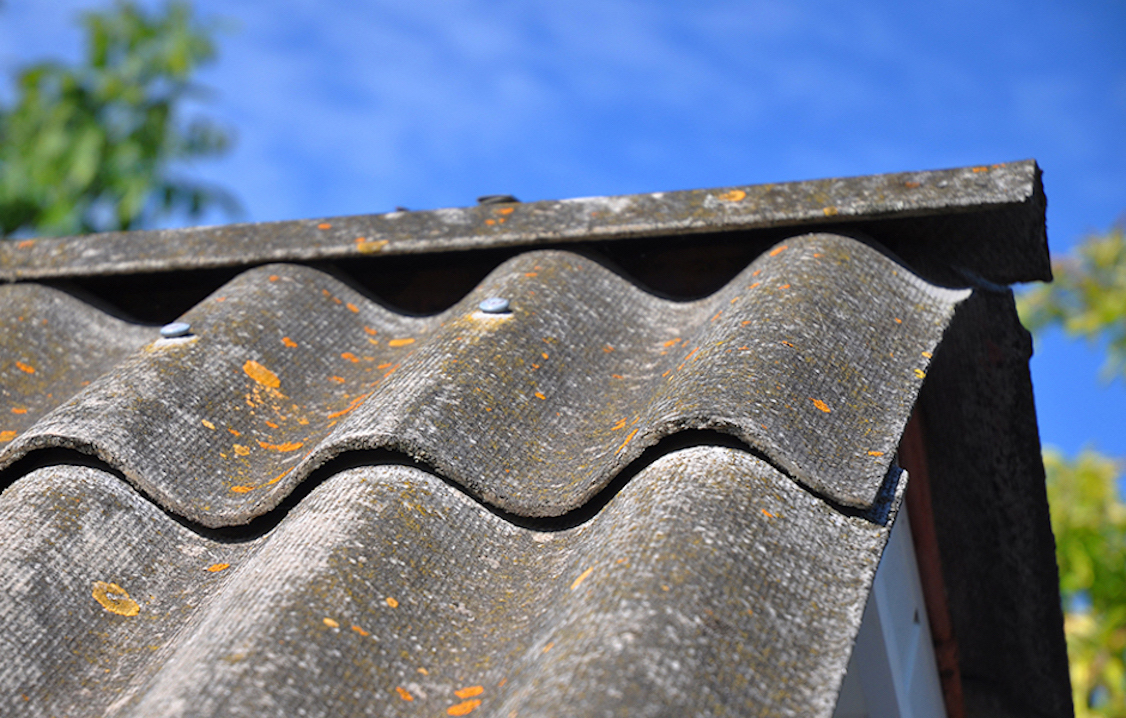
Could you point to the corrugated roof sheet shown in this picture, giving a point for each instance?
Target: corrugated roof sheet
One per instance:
(601, 502)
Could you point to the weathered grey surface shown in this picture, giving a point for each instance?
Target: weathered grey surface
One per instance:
(710, 585)
(813, 355)
(51, 346)
(991, 515)
(1014, 249)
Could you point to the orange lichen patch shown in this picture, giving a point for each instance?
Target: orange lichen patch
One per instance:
(531, 274)
(543, 354)
(717, 315)
(539, 395)
(271, 424)
(19, 409)
(25, 367)
(469, 691)
(616, 376)
(898, 320)
(691, 353)
(548, 647)
(289, 342)
(242, 489)
(735, 300)
(927, 355)
(910, 185)
(287, 446)
(875, 453)
(355, 402)
(261, 374)
(620, 425)
(754, 285)
(504, 210)
(607, 348)
(628, 439)
(370, 331)
(352, 308)
(821, 405)
(670, 342)
(776, 251)
(787, 343)
(734, 195)
(217, 567)
(115, 599)
(365, 247)
(490, 221)
(400, 342)
(236, 432)
(582, 577)
(920, 373)
(8, 435)
(337, 379)
(360, 631)
(207, 423)
(784, 286)
(767, 514)
(331, 623)
(279, 477)
(464, 708)
(324, 225)
(391, 602)
(241, 450)
(403, 693)
(981, 169)
(829, 211)
(423, 671)
(25, 244)
(350, 357)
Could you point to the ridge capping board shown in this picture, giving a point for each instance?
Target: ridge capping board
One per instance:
(1011, 191)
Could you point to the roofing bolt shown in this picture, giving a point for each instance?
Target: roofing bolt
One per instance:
(175, 329)
(497, 199)
(494, 305)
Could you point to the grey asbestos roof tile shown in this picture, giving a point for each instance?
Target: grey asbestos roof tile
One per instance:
(813, 355)
(717, 585)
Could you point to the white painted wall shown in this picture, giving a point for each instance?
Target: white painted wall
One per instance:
(892, 672)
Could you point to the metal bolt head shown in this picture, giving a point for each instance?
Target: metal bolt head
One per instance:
(175, 329)
(494, 305)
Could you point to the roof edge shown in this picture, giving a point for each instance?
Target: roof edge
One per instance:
(1014, 189)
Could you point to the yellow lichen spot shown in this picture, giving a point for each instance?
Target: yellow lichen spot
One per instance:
(920, 373)
(360, 631)
(25, 367)
(464, 708)
(423, 671)
(469, 691)
(289, 342)
(369, 248)
(208, 424)
(821, 405)
(829, 211)
(352, 308)
(8, 435)
(582, 577)
(875, 453)
(400, 342)
(548, 647)
(403, 693)
(261, 374)
(539, 395)
(331, 623)
(241, 450)
(287, 446)
(115, 599)
(734, 195)
(927, 355)
(216, 567)
(242, 489)
(775, 252)
(391, 602)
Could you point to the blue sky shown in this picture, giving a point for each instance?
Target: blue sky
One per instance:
(356, 107)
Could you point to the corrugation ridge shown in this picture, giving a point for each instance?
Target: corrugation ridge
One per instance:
(533, 412)
(51, 346)
(383, 570)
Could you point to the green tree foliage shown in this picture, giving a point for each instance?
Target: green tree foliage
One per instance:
(92, 147)
(1088, 299)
